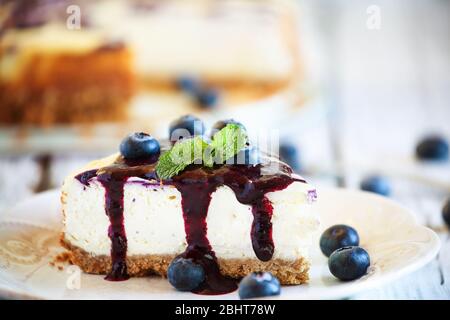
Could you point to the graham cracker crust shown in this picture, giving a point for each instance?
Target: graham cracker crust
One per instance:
(288, 272)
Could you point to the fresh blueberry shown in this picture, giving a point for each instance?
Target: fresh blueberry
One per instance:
(248, 156)
(185, 127)
(336, 237)
(259, 284)
(446, 212)
(289, 154)
(432, 148)
(219, 125)
(185, 274)
(376, 184)
(207, 97)
(349, 263)
(188, 84)
(139, 145)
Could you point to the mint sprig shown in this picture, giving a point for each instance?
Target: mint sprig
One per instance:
(225, 144)
(182, 154)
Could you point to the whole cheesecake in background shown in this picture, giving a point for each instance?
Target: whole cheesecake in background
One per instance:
(51, 74)
(122, 219)
(227, 43)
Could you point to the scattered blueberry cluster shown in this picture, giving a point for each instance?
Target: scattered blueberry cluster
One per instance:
(204, 96)
(140, 145)
(430, 148)
(346, 260)
(186, 275)
(340, 243)
(189, 125)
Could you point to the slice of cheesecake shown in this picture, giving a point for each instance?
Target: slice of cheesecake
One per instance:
(121, 220)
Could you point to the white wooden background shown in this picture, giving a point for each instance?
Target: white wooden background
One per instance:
(384, 89)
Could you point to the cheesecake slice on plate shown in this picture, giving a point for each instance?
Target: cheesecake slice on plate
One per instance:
(126, 217)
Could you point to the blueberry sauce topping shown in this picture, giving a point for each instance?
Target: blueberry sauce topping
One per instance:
(114, 209)
(196, 185)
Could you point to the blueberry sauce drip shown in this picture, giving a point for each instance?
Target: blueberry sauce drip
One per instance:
(196, 185)
(116, 231)
(84, 177)
(262, 229)
(113, 180)
(196, 197)
(114, 185)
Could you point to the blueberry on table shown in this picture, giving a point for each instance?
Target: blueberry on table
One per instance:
(446, 212)
(259, 284)
(188, 84)
(432, 148)
(139, 145)
(349, 263)
(248, 156)
(289, 154)
(376, 184)
(185, 127)
(184, 274)
(207, 97)
(336, 237)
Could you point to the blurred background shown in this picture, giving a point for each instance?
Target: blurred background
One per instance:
(356, 89)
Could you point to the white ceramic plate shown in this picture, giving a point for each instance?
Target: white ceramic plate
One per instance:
(29, 240)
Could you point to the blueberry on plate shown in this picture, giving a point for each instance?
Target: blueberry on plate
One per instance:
(207, 97)
(188, 84)
(349, 263)
(185, 127)
(259, 284)
(219, 125)
(185, 274)
(338, 236)
(139, 145)
(446, 212)
(289, 154)
(247, 156)
(432, 148)
(376, 184)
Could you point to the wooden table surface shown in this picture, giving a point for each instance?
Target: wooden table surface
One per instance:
(384, 89)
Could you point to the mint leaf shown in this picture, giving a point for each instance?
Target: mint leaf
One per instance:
(228, 142)
(225, 144)
(166, 168)
(182, 154)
